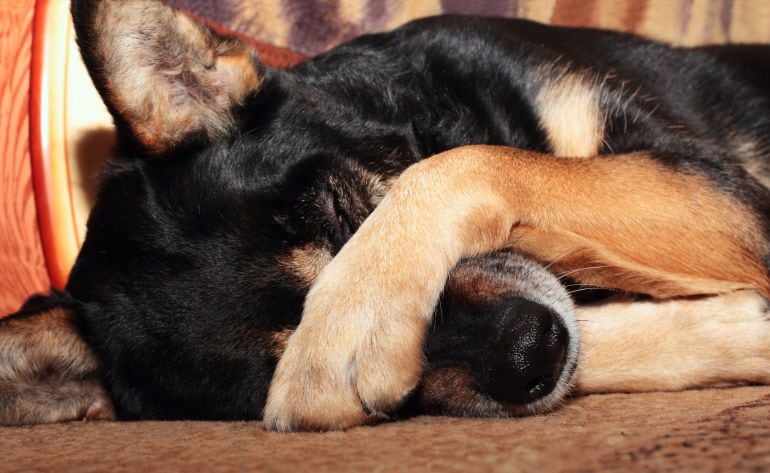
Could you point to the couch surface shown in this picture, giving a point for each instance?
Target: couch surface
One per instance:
(699, 431)
(22, 266)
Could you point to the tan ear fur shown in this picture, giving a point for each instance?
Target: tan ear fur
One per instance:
(161, 74)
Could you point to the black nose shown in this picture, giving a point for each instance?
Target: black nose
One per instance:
(530, 354)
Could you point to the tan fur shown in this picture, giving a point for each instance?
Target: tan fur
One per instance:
(468, 283)
(592, 263)
(753, 156)
(641, 238)
(675, 344)
(279, 340)
(569, 111)
(47, 372)
(306, 262)
(377, 186)
(359, 345)
(167, 75)
(452, 391)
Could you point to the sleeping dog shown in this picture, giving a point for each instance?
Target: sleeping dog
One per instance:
(274, 243)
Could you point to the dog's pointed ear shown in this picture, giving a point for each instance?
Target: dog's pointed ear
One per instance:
(165, 79)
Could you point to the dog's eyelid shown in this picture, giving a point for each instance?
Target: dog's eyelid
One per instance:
(345, 225)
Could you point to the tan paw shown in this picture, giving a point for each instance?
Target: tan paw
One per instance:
(357, 352)
(334, 383)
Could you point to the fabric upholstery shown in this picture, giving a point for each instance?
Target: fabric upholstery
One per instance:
(695, 431)
(312, 26)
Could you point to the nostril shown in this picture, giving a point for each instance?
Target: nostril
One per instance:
(536, 388)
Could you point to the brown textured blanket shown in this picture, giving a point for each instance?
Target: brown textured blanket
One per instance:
(724, 430)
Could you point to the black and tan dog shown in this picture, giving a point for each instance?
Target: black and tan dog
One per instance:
(238, 195)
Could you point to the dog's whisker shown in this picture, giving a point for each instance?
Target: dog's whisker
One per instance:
(557, 259)
(581, 290)
(567, 273)
(577, 284)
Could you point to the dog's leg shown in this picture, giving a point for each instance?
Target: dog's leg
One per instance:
(674, 344)
(357, 351)
(47, 372)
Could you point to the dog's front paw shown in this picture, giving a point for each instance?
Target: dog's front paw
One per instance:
(313, 388)
(358, 349)
(329, 388)
(345, 365)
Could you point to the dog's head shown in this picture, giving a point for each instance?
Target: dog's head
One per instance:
(241, 144)
(232, 185)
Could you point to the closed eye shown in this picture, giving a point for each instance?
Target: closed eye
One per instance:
(344, 223)
(335, 218)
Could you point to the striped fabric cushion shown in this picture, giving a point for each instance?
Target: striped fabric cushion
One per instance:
(311, 26)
